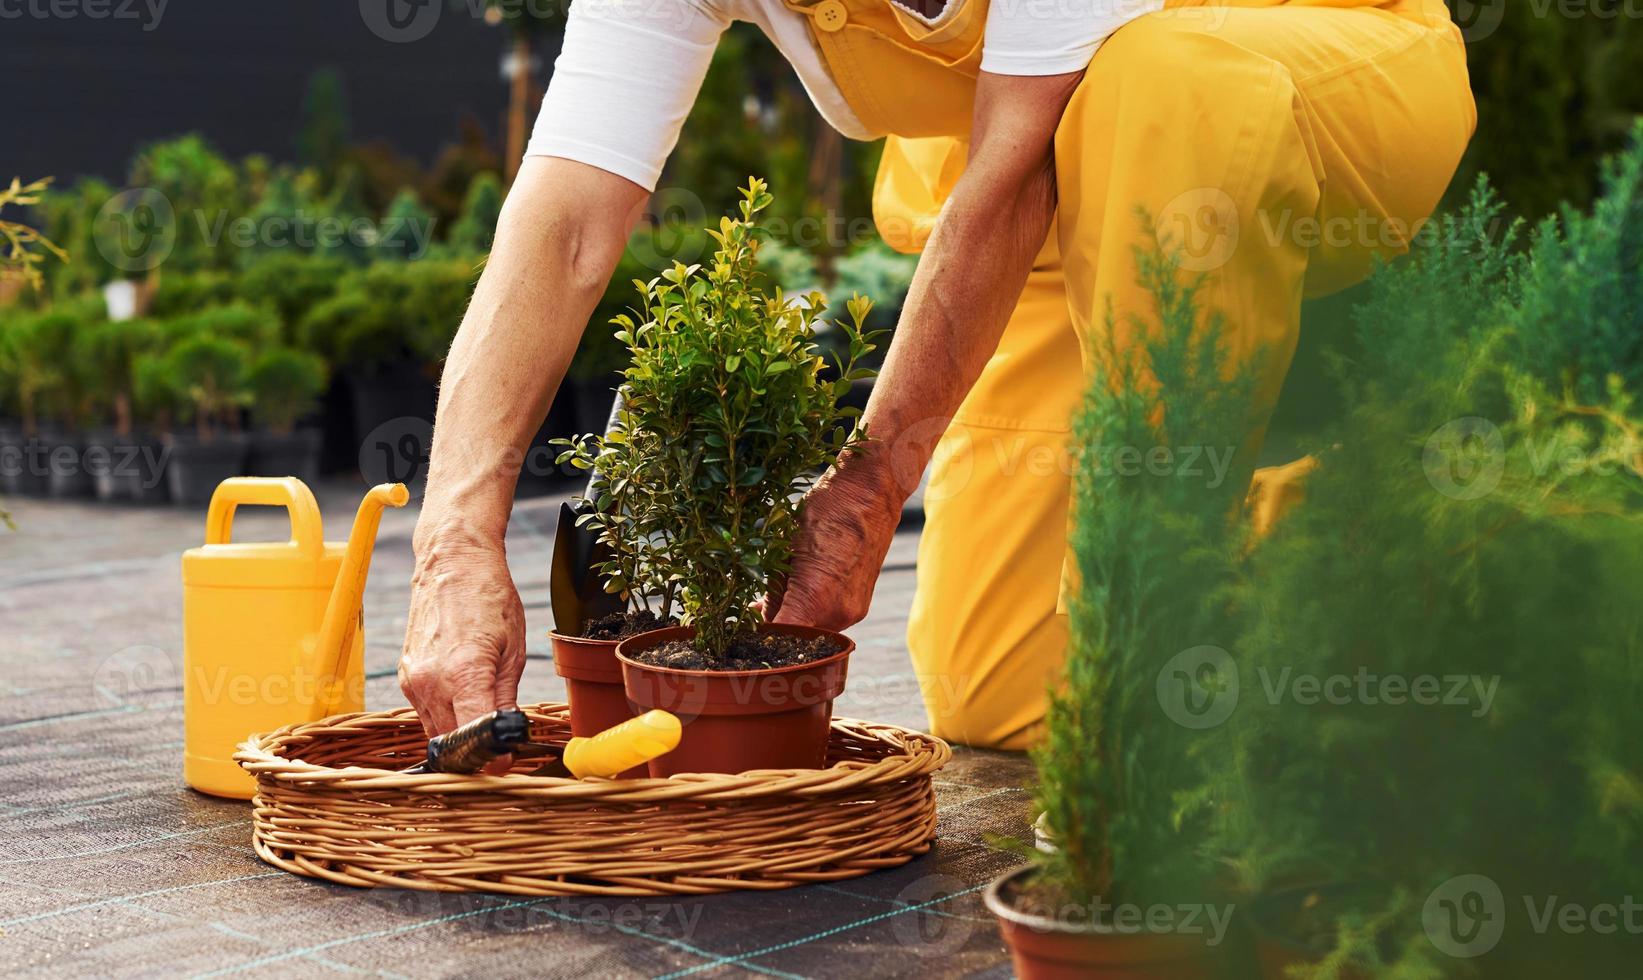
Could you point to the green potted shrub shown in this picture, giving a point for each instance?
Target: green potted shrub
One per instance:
(283, 385)
(475, 227)
(1154, 552)
(727, 419)
(42, 352)
(205, 375)
(290, 283)
(31, 373)
(123, 459)
(385, 331)
(22, 252)
(180, 294)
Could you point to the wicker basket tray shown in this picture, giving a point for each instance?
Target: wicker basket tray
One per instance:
(330, 805)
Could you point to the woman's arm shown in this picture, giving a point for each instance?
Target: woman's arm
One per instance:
(561, 231)
(968, 282)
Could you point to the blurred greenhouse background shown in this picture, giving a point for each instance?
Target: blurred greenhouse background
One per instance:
(273, 217)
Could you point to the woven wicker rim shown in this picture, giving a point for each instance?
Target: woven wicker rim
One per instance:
(276, 756)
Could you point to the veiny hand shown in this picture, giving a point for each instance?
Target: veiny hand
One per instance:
(845, 529)
(465, 640)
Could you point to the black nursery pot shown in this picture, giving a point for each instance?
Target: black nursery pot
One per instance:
(67, 475)
(289, 454)
(126, 469)
(23, 472)
(194, 467)
(388, 403)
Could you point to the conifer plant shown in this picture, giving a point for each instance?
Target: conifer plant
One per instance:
(1121, 767)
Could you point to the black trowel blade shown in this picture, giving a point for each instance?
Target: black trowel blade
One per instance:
(575, 586)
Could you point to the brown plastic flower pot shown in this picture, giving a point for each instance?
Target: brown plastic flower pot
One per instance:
(593, 687)
(1044, 948)
(739, 720)
(1277, 947)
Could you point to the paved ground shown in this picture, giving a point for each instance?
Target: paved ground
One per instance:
(111, 866)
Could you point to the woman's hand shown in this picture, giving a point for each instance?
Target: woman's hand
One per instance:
(465, 639)
(845, 529)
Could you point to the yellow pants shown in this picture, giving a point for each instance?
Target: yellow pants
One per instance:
(1280, 147)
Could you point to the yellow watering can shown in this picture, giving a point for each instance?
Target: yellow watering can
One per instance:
(271, 630)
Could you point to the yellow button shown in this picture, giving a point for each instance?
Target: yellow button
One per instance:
(831, 15)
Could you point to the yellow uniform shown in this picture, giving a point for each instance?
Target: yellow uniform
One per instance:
(1279, 145)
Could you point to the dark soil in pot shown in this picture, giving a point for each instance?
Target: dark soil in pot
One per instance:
(195, 467)
(1045, 945)
(620, 626)
(761, 651)
(736, 720)
(126, 469)
(289, 454)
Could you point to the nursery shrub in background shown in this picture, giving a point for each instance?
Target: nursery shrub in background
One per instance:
(206, 375)
(473, 231)
(283, 385)
(28, 367)
(204, 191)
(406, 231)
(291, 284)
(249, 326)
(108, 353)
(182, 293)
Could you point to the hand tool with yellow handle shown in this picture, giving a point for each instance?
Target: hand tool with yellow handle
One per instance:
(471, 747)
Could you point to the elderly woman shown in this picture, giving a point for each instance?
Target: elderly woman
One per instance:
(1279, 144)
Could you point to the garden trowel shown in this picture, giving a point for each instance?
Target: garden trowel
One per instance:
(575, 586)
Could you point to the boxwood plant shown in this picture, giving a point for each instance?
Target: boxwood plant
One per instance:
(732, 410)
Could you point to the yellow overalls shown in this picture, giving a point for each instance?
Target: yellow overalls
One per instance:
(1280, 145)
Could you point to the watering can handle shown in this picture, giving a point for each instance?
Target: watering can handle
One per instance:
(307, 533)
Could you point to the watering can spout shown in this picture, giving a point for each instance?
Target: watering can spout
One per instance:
(342, 613)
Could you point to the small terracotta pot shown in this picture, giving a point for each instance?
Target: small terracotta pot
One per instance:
(739, 720)
(593, 687)
(1043, 948)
